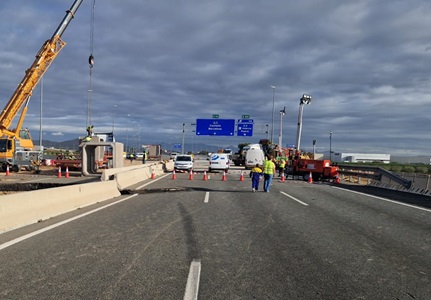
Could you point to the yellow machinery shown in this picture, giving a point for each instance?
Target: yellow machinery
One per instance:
(16, 146)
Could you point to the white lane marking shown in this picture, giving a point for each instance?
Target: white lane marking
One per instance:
(29, 235)
(152, 180)
(207, 197)
(293, 198)
(384, 199)
(192, 287)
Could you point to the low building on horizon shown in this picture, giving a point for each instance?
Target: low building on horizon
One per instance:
(361, 158)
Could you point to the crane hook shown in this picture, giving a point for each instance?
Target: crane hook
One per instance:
(91, 60)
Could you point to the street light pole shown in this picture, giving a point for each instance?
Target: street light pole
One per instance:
(41, 115)
(113, 118)
(330, 146)
(306, 99)
(267, 131)
(280, 136)
(182, 147)
(273, 105)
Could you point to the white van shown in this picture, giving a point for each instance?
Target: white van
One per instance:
(183, 162)
(254, 156)
(219, 161)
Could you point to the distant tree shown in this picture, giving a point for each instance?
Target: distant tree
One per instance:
(422, 169)
(396, 168)
(241, 146)
(408, 169)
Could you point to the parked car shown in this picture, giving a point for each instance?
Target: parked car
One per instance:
(183, 162)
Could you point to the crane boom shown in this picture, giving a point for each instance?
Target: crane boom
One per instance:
(12, 140)
(44, 58)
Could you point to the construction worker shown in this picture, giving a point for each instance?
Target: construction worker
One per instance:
(144, 157)
(89, 133)
(255, 174)
(268, 173)
(281, 162)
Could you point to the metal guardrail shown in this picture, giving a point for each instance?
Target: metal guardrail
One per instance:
(375, 173)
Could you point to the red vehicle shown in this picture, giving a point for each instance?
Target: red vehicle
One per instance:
(319, 169)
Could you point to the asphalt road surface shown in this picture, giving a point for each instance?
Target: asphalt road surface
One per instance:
(215, 239)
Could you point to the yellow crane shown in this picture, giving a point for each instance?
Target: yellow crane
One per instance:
(16, 146)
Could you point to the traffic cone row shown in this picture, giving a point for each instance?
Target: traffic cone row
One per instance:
(59, 172)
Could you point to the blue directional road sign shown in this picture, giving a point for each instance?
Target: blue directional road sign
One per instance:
(245, 127)
(225, 127)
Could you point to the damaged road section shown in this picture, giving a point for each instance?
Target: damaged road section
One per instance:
(156, 190)
(29, 186)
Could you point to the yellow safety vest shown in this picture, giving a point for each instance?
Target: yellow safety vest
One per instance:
(268, 167)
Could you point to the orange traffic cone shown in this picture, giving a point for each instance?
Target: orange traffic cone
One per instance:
(241, 177)
(337, 179)
(153, 174)
(67, 172)
(191, 175)
(310, 178)
(7, 171)
(282, 177)
(59, 172)
(205, 175)
(223, 178)
(174, 176)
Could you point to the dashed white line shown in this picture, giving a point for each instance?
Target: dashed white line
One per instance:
(293, 198)
(207, 197)
(192, 287)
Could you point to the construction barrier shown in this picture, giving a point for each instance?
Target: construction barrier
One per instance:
(20, 209)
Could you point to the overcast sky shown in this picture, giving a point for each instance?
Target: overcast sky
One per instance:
(159, 64)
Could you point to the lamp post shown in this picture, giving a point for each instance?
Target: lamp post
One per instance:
(280, 136)
(330, 146)
(305, 99)
(267, 131)
(182, 145)
(273, 105)
(113, 117)
(314, 149)
(41, 115)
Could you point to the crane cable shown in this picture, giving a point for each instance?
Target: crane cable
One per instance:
(91, 63)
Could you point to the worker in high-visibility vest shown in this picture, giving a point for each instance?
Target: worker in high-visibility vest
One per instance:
(281, 162)
(268, 173)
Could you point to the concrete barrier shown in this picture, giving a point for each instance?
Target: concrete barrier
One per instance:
(17, 210)
(107, 174)
(128, 178)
